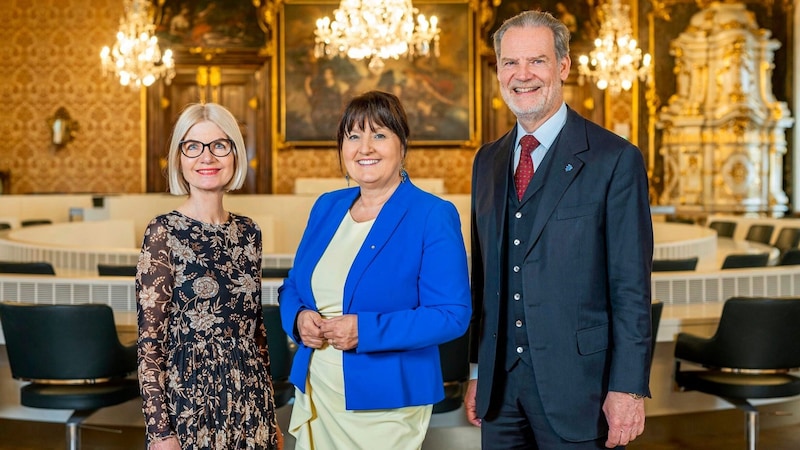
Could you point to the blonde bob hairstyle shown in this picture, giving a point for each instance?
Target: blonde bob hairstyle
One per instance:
(190, 116)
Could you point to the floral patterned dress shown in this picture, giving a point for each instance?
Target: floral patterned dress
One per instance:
(203, 360)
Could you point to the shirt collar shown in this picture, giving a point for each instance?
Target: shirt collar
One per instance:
(547, 133)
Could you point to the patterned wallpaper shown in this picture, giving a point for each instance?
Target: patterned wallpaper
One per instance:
(50, 53)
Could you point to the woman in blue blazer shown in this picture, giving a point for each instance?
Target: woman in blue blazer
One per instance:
(379, 281)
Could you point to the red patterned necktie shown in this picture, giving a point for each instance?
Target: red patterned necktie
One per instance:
(524, 173)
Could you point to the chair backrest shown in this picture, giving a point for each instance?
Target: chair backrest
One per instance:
(278, 343)
(32, 222)
(680, 219)
(274, 272)
(671, 265)
(790, 257)
(723, 228)
(454, 357)
(742, 260)
(64, 342)
(788, 238)
(760, 232)
(656, 309)
(31, 268)
(116, 270)
(756, 333)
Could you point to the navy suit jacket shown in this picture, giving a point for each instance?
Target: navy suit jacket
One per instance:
(586, 283)
(409, 286)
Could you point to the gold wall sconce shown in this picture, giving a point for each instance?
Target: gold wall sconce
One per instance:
(62, 128)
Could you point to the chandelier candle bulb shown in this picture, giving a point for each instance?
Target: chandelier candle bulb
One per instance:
(136, 58)
(616, 61)
(376, 30)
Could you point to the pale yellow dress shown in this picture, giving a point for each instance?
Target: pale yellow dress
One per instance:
(319, 418)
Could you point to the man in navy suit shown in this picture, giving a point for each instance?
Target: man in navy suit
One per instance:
(561, 269)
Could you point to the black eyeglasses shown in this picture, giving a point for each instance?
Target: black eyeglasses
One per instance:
(218, 148)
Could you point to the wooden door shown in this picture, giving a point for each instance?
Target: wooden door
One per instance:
(240, 89)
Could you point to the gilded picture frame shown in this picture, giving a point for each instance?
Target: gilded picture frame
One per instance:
(438, 93)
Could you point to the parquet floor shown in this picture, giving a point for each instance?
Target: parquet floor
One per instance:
(719, 430)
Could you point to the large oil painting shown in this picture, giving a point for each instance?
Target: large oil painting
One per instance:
(208, 24)
(437, 92)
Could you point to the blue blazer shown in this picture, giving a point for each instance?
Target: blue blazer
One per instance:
(586, 274)
(408, 285)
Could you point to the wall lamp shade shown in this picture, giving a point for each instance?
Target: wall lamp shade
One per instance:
(62, 128)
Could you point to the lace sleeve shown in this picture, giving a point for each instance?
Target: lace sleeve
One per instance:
(154, 282)
(261, 331)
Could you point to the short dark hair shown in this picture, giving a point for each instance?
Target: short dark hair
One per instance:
(378, 109)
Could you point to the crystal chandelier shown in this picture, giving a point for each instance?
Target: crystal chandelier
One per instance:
(376, 30)
(136, 58)
(615, 62)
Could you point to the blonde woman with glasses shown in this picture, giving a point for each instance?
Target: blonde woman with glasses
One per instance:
(202, 347)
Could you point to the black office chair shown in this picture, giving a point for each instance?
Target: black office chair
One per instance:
(672, 265)
(761, 233)
(656, 310)
(274, 272)
(280, 355)
(788, 238)
(756, 343)
(454, 358)
(680, 219)
(71, 356)
(790, 257)
(32, 222)
(723, 228)
(30, 268)
(105, 270)
(743, 260)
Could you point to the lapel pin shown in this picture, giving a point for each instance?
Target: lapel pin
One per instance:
(568, 168)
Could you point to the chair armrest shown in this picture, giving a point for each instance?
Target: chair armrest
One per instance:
(692, 348)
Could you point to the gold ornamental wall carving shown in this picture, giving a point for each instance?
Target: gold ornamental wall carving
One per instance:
(723, 130)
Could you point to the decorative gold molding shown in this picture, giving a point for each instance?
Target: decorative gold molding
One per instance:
(486, 14)
(661, 8)
(267, 18)
(207, 53)
(143, 139)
